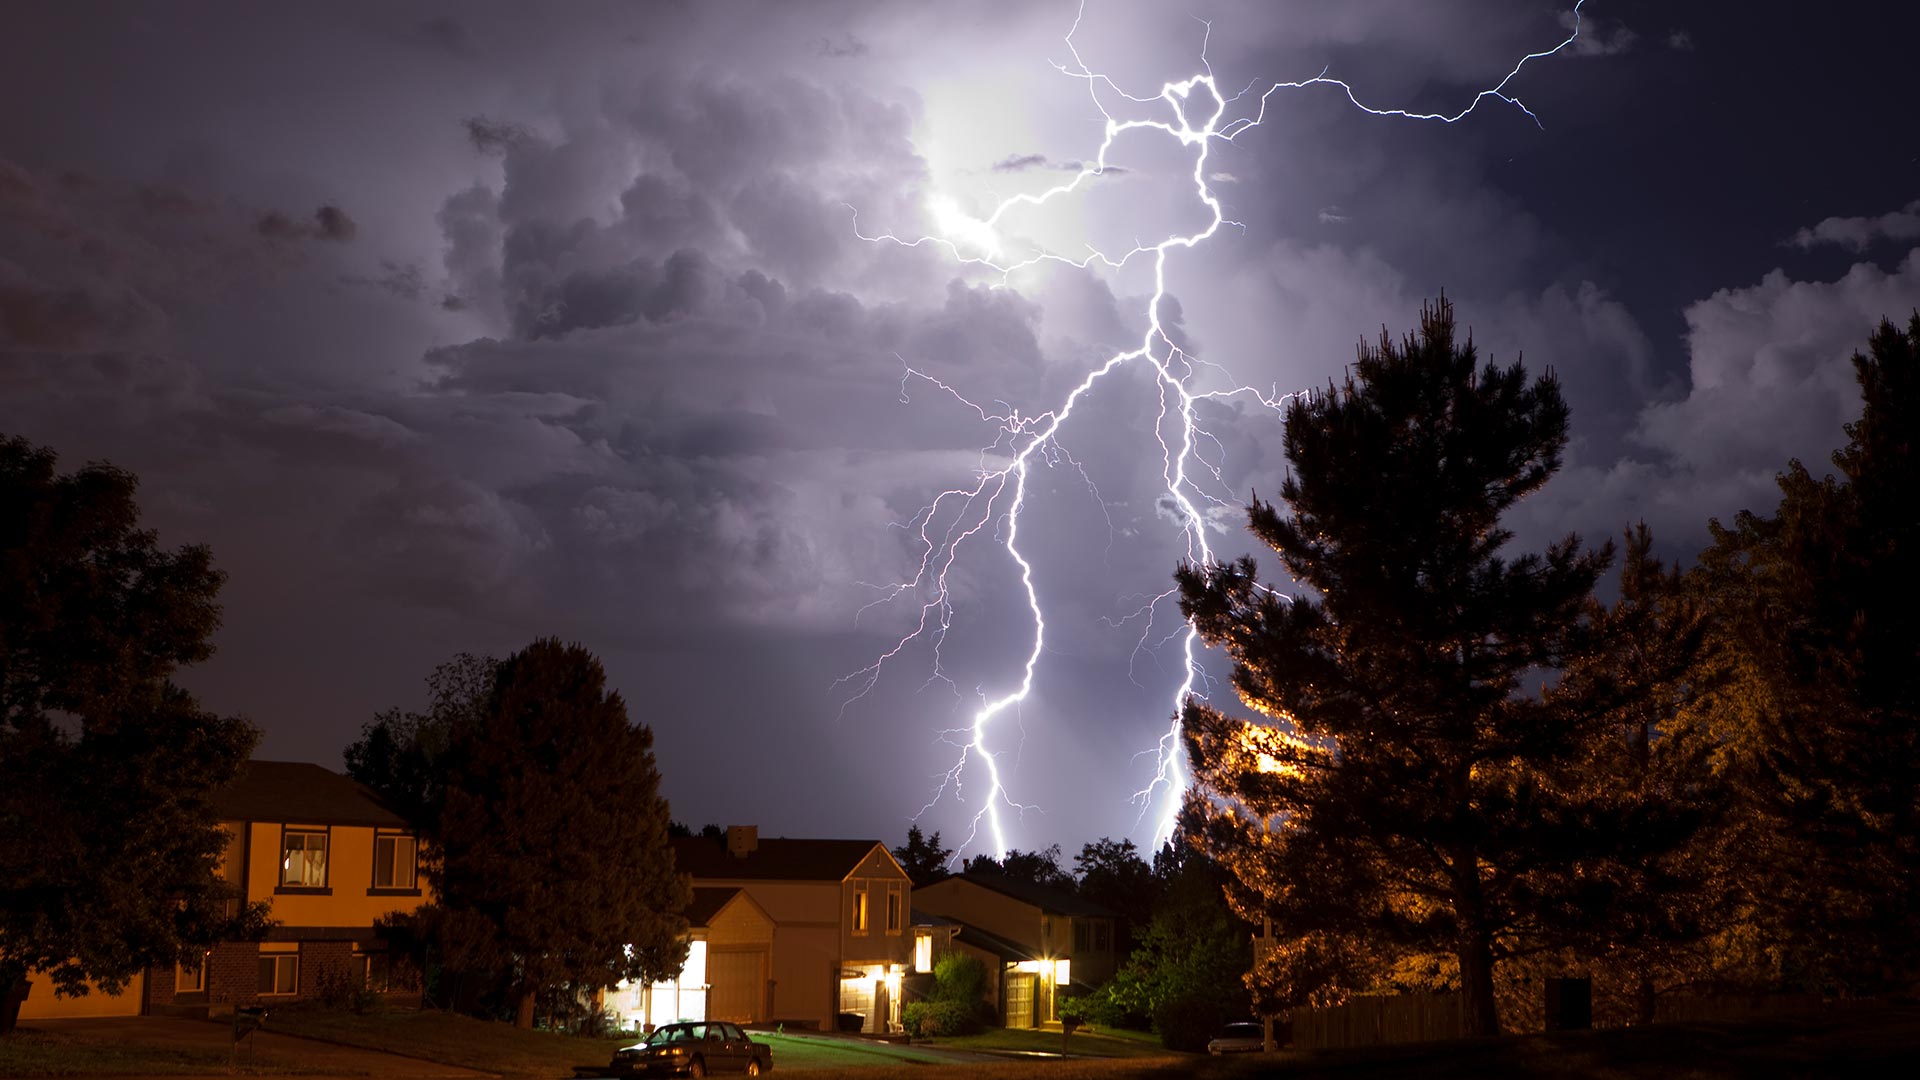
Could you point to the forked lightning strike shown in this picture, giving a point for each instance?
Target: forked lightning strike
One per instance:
(993, 502)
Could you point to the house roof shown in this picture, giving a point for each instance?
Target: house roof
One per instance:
(775, 859)
(302, 792)
(707, 903)
(1004, 948)
(1051, 901)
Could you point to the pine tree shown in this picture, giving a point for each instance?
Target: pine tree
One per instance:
(550, 850)
(1820, 647)
(1408, 793)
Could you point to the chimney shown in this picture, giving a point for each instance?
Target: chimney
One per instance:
(742, 840)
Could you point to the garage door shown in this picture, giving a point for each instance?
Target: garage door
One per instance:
(1019, 1001)
(739, 981)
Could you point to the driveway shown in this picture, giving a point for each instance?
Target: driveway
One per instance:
(268, 1047)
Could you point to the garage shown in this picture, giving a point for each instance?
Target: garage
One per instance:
(737, 984)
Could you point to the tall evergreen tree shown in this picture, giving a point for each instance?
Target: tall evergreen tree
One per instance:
(109, 844)
(1410, 793)
(1820, 645)
(923, 857)
(550, 849)
(398, 753)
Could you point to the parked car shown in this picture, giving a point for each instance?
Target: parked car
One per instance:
(1238, 1038)
(693, 1049)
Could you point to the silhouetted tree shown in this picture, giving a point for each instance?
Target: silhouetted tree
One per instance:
(1038, 867)
(398, 754)
(923, 857)
(1187, 975)
(1418, 798)
(109, 844)
(1820, 645)
(1113, 875)
(550, 850)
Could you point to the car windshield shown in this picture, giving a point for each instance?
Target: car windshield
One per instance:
(672, 1033)
(1241, 1031)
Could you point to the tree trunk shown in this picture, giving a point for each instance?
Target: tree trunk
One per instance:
(1477, 1016)
(523, 1013)
(1643, 1000)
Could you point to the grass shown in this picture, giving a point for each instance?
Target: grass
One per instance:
(45, 1053)
(1107, 1043)
(801, 1053)
(451, 1039)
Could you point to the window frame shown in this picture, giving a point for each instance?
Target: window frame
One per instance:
(862, 913)
(325, 888)
(412, 888)
(199, 984)
(896, 908)
(277, 958)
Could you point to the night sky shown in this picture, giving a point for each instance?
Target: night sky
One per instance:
(452, 325)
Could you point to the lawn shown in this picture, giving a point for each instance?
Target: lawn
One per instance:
(800, 1052)
(452, 1040)
(1107, 1043)
(46, 1053)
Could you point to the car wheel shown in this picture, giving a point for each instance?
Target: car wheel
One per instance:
(753, 1066)
(697, 1068)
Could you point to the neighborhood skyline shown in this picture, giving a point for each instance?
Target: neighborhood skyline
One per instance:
(450, 328)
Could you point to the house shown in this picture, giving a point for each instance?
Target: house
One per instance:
(1045, 944)
(789, 931)
(727, 973)
(330, 858)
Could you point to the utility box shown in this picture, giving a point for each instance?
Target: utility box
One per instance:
(1569, 1004)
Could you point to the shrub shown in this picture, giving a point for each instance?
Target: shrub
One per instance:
(926, 1019)
(1187, 1023)
(959, 977)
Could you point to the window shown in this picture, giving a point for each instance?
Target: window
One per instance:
(279, 974)
(394, 856)
(1080, 935)
(303, 859)
(1102, 936)
(374, 972)
(893, 907)
(922, 952)
(190, 975)
(860, 908)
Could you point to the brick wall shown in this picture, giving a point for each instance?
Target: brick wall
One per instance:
(233, 973)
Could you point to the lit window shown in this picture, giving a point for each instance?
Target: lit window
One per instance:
(860, 908)
(394, 857)
(923, 952)
(303, 859)
(279, 974)
(893, 908)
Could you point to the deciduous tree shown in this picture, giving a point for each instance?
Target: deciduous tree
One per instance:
(109, 844)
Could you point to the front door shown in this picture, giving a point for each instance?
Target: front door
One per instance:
(1019, 1012)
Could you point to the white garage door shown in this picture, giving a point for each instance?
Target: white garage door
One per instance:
(739, 981)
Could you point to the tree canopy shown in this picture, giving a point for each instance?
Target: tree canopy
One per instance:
(1410, 792)
(109, 843)
(923, 857)
(550, 849)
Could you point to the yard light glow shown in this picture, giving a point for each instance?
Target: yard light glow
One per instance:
(1195, 114)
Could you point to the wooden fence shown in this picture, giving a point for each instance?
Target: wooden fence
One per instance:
(1377, 1021)
(1733, 1007)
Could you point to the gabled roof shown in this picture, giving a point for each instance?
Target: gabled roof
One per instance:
(304, 793)
(1051, 901)
(775, 859)
(707, 903)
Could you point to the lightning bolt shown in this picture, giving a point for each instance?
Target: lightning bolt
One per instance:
(988, 508)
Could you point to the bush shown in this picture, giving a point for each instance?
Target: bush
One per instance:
(1103, 1008)
(959, 977)
(1187, 1023)
(926, 1019)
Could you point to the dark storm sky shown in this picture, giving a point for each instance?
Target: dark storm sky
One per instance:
(453, 325)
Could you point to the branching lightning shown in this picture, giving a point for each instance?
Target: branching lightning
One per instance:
(989, 508)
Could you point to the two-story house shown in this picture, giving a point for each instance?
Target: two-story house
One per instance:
(330, 858)
(839, 942)
(1047, 944)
